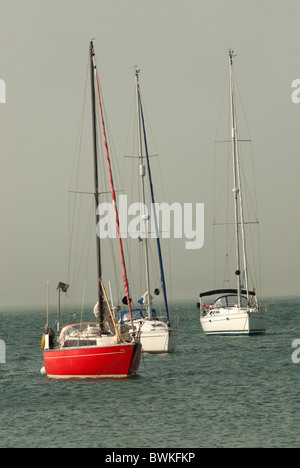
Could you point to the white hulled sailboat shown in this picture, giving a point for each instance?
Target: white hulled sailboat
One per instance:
(234, 311)
(158, 334)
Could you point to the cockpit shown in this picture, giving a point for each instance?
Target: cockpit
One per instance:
(229, 301)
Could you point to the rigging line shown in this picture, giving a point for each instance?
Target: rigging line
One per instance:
(225, 183)
(115, 361)
(250, 204)
(230, 248)
(82, 304)
(249, 199)
(131, 167)
(247, 189)
(92, 193)
(106, 258)
(129, 174)
(227, 203)
(224, 186)
(153, 262)
(129, 132)
(214, 217)
(133, 191)
(215, 256)
(77, 150)
(108, 134)
(111, 312)
(250, 236)
(131, 268)
(77, 264)
(75, 243)
(125, 281)
(248, 129)
(254, 274)
(86, 242)
(259, 262)
(230, 141)
(145, 114)
(89, 244)
(228, 224)
(241, 101)
(114, 262)
(170, 283)
(135, 267)
(162, 275)
(114, 160)
(80, 132)
(216, 203)
(254, 179)
(148, 124)
(224, 94)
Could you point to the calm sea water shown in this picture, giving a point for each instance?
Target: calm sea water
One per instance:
(213, 392)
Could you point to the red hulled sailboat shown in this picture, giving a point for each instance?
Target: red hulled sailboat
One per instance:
(102, 348)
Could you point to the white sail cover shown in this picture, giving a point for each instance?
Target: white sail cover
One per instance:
(146, 299)
(107, 321)
(105, 310)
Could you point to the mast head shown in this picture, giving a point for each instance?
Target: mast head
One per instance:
(137, 71)
(231, 54)
(92, 46)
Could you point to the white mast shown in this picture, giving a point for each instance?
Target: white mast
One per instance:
(145, 216)
(237, 189)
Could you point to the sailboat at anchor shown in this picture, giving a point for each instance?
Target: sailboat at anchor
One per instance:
(234, 311)
(159, 334)
(94, 349)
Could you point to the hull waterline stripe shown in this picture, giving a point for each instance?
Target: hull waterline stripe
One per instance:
(68, 356)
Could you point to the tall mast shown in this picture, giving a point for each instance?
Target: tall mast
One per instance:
(113, 196)
(237, 191)
(96, 186)
(162, 274)
(145, 216)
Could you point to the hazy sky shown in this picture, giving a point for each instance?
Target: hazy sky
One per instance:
(181, 47)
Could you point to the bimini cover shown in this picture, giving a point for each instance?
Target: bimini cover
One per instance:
(225, 291)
